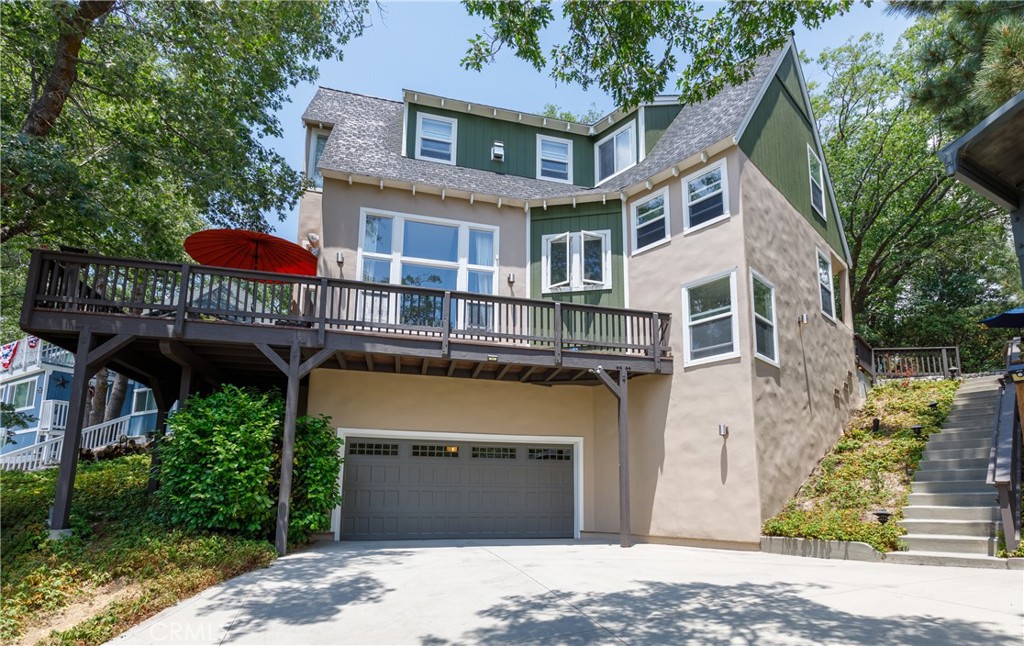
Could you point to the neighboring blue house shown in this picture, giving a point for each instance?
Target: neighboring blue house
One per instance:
(35, 377)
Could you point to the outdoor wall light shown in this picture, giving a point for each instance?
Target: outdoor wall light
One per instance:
(340, 257)
(803, 319)
(723, 431)
(512, 278)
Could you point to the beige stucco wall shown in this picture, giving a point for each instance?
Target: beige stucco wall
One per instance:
(381, 401)
(341, 202)
(686, 481)
(797, 413)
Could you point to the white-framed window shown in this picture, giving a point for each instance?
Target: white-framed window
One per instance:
(817, 176)
(825, 284)
(705, 197)
(317, 142)
(615, 153)
(710, 324)
(22, 395)
(576, 261)
(436, 137)
(766, 337)
(650, 220)
(554, 159)
(143, 401)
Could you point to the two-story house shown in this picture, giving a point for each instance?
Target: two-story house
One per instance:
(719, 214)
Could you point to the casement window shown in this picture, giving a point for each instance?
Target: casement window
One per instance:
(420, 251)
(143, 401)
(435, 138)
(705, 197)
(576, 261)
(554, 159)
(710, 330)
(766, 341)
(317, 142)
(825, 284)
(616, 152)
(650, 221)
(816, 172)
(22, 395)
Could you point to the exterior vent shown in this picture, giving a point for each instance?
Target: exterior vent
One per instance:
(498, 151)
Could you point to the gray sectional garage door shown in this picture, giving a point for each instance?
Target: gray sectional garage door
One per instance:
(456, 489)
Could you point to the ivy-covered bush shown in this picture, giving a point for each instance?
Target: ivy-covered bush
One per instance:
(221, 466)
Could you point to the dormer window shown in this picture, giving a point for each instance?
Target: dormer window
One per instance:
(317, 142)
(554, 159)
(616, 152)
(435, 138)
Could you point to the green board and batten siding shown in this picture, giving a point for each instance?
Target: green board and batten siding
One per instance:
(657, 119)
(776, 140)
(477, 134)
(593, 216)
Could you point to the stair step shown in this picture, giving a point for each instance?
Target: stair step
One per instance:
(937, 527)
(945, 445)
(976, 474)
(980, 545)
(938, 512)
(953, 499)
(947, 431)
(953, 463)
(945, 559)
(932, 453)
(946, 486)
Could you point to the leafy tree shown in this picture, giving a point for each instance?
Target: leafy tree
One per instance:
(630, 49)
(556, 112)
(11, 420)
(972, 60)
(915, 235)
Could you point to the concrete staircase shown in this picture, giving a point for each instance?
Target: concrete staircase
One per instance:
(951, 514)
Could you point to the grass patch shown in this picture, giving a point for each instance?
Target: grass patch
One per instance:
(120, 536)
(867, 471)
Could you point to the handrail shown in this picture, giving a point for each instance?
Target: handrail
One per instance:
(47, 453)
(1004, 464)
(183, 292)
(935, 361)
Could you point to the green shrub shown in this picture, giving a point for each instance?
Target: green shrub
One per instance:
(221, 467)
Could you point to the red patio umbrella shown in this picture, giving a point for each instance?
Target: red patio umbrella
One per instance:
(241, 249)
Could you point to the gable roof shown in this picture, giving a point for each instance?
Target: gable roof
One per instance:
(367, 141)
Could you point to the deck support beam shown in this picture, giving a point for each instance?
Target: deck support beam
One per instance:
(621, 391)
(160, 396)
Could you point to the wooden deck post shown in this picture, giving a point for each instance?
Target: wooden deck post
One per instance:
(621, 391)
(288, 449)
(60, 515)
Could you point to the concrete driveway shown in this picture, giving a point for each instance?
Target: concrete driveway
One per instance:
(567, 592)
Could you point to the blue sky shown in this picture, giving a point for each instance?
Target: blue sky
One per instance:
(418, 45)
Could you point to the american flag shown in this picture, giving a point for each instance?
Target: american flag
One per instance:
(7, 353)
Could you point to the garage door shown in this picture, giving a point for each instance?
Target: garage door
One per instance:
(456, 489)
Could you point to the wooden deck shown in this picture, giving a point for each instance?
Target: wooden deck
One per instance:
(220, 323)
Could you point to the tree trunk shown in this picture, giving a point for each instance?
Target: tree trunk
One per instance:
(117, 395)
(99, 398)
(62, 76)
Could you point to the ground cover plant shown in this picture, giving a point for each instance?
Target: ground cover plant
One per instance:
(120, 544)
(868, 470)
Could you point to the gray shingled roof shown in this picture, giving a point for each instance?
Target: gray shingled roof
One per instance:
(366, 139)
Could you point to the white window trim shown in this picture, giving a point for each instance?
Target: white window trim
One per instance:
(821, 182)
(135, 395)
(754, 317)
(558, 140)
(827, 257)
(12, 389)
(663, 192)
(311, 152)
(577, 461)
(576, 282)
(734, 314)
(419, 136)
(687, 229)
(462, 265)
(597, 159)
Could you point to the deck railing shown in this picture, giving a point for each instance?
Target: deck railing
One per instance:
(47, 453)
(53, 415)
(31, 352)
(895, 363)
(1004, 467)
(113, 286)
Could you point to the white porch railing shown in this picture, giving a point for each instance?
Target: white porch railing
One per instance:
(27, 358)
(53, 416)
(47, 454)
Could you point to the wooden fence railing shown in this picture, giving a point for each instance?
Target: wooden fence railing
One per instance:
(895, 363)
